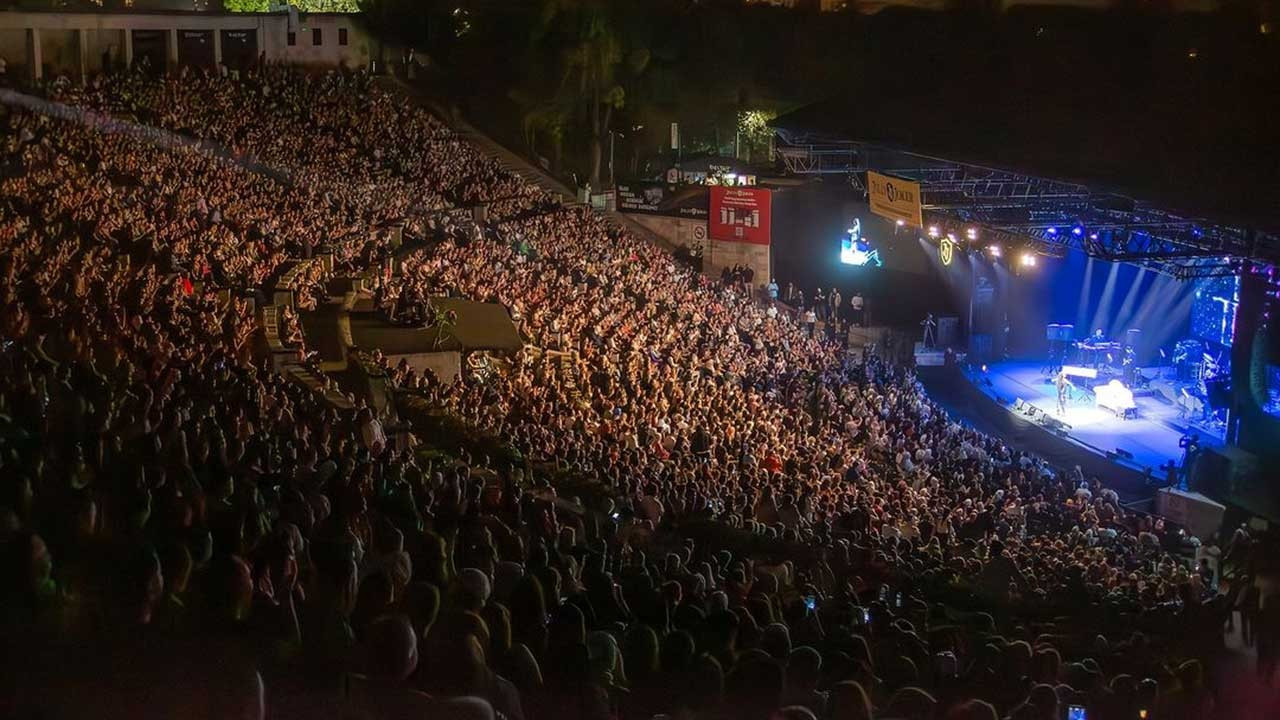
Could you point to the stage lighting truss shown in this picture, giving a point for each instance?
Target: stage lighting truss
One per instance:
(1170, 244)
(1047, 216)
(1118, 230)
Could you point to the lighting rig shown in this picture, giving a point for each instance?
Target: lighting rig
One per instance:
(991, 207)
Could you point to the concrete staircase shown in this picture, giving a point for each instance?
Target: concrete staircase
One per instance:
(565, 367)
(303, 376)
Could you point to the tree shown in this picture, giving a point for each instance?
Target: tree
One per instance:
(593, 61)
(543, 118)
(246, 5)
(754, 134)
(341, 6)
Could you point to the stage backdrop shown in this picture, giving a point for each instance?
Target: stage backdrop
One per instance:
(1094, 295)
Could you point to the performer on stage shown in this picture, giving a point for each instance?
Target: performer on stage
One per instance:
(928, 324)
(1062, 384)
(1130, 366)
(1096, 347)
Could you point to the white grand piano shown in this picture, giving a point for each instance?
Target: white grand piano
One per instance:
(1114, 396)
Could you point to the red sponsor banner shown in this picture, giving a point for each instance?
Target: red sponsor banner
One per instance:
(740, 214)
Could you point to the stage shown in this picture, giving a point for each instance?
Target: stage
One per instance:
(1150, 434)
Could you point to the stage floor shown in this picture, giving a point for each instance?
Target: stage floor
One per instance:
(1151, 435)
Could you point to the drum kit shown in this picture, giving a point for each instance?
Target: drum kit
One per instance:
(1188, 360)
(1199, 369)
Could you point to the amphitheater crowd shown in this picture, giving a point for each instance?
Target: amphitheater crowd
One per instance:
(699, 509)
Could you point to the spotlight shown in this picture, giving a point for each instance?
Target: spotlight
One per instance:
(1052, 231)
(971, 233)
(1028, 260)
(1077, 231)
(900, 222)
(933, 231)
(1093, 236)
(994, 250)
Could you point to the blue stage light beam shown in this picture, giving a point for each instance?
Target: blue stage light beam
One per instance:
(1103, 310)
(1155, 298)
(1125, 316)
(1082, 309)
(1170, 319)
(1165, 311)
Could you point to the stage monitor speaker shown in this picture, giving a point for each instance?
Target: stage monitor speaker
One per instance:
(1165, 392)
(1060, 332)
(1053, 424)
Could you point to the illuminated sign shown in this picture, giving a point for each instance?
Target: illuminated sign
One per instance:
(740, 214)
(895, 198)
(946, 249)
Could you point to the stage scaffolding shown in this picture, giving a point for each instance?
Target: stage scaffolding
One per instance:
(1049, 216)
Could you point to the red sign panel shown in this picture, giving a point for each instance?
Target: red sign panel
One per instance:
(740, 214)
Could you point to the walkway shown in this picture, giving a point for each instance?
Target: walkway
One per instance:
(1241, 693)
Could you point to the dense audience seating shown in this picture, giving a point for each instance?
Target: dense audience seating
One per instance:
(676, 501)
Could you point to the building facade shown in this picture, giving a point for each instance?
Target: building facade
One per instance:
(81, 44)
